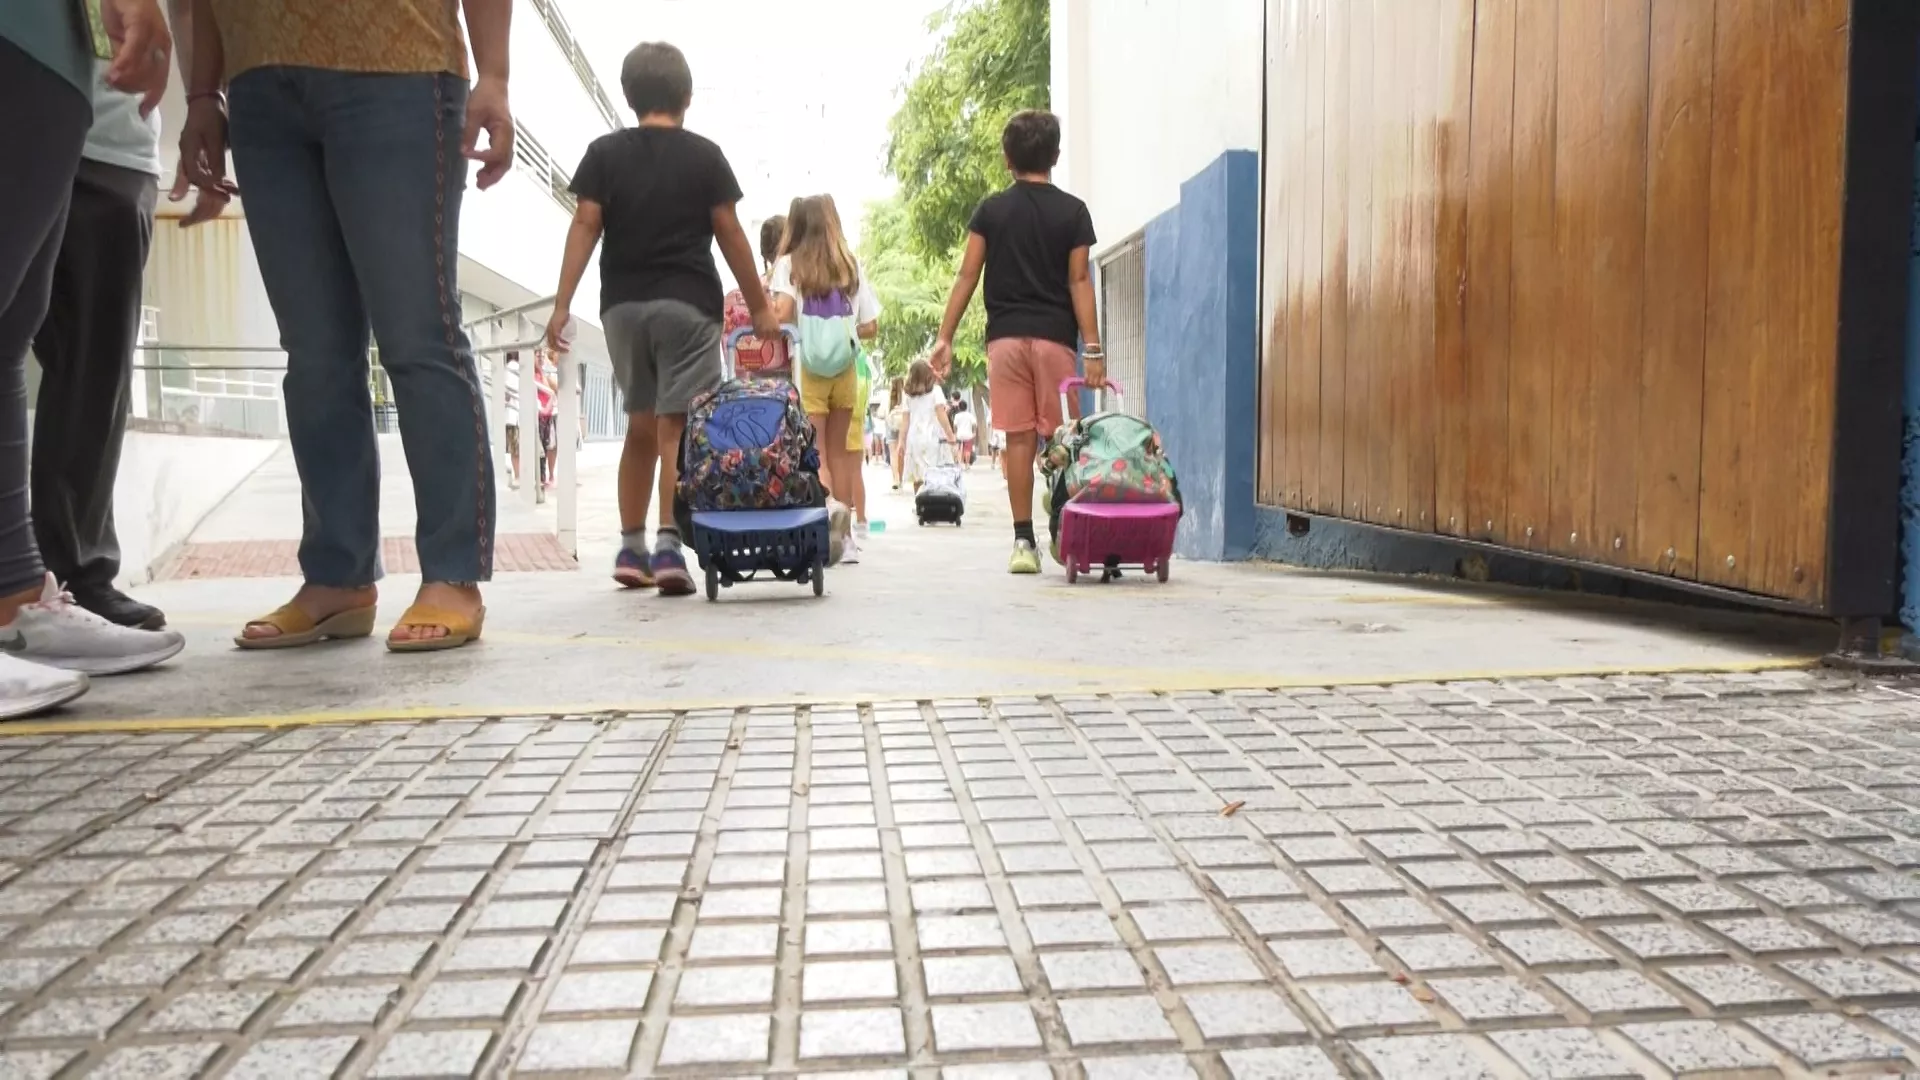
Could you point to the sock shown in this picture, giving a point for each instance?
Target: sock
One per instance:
(635, 540)
(1023, 531)
(668, 539)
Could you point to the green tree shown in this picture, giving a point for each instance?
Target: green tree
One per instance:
(913, 292)
(993, 60)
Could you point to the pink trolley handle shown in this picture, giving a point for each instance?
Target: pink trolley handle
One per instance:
(1068, 386)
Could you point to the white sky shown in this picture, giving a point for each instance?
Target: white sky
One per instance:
(797, 95)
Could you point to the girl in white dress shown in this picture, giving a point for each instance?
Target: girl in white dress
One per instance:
(928, 428)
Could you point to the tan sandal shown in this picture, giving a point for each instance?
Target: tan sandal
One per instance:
(297, 628)
(461, 629)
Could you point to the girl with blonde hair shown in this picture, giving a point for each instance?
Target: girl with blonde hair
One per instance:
(817, 282)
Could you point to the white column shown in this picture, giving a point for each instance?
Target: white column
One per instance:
(487, 335)
(1070, 88)
(530, 449)
(567, 433)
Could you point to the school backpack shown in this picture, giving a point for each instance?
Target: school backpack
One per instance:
(1106, 458)
(829, 342)
(754, 356)
(748, 446)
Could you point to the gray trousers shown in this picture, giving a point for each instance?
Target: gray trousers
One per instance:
(42, 127)
(85, 348)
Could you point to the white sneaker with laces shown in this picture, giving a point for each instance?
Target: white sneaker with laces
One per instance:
(851, 555)
(59, 633)
(27, 689)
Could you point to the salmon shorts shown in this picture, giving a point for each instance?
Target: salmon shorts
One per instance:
(1024, 377)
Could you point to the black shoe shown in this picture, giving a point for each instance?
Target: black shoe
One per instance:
(117, 607)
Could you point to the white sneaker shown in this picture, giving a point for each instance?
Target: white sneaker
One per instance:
(29, 689)
(851, 555)
(57, 632)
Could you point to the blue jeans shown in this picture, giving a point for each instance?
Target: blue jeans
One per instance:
(352, 185)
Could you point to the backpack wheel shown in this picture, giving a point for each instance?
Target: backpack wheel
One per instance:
(1073, 573)
(1161, 570)
(819, 577)
(713, 584)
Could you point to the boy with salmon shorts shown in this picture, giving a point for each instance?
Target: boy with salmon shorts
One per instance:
(1033, 243)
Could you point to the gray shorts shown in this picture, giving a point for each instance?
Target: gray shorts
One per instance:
(665, 353)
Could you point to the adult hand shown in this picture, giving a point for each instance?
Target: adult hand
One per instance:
(203, 148)
(557, 330)
(487, 111)
(142, 49)
(766, 327)
(941, 359)
(1096, 376)
(207, 206)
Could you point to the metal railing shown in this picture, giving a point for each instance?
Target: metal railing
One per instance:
(576, 58)
(533, 157)
(515, 330)
(227, 395)
(1122, 280)
(232, 395)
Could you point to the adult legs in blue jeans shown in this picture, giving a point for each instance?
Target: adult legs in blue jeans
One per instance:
(353, 184)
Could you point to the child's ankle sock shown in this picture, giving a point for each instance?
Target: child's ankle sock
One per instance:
(635, 540)
(1023, 531)
(667, 540)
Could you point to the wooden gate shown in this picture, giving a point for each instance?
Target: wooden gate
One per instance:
(1619, 282)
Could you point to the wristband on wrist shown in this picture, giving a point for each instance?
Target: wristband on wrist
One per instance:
(199, 95)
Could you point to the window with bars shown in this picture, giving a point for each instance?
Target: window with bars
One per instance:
(1123, 319)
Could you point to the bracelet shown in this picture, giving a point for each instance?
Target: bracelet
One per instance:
(1094, 352)
(198, 95)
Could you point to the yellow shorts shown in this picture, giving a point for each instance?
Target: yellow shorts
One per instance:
(820, 396)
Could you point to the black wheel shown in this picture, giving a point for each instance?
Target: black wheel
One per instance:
(1073, 573)
(819, 577)
(713, 584)
(1162, 569)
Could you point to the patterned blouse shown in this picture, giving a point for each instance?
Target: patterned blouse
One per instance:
(394, 36)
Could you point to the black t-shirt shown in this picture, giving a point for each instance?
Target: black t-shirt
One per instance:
(657, 188)
(1031, 230)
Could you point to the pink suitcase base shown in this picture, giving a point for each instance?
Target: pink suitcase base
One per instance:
(1129, 534)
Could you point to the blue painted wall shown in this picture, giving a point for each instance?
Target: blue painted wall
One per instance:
(1202, 321)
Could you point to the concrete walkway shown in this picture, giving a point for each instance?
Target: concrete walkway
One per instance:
(1576, 878)
(929, 612)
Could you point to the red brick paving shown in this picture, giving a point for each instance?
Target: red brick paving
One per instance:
(512, 553)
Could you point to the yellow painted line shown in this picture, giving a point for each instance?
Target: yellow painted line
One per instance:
(1185, 685)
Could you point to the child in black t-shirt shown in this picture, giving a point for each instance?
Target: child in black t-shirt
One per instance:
(1033, 242)
(661, 196)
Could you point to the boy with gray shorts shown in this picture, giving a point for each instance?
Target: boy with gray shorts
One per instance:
(661, 196)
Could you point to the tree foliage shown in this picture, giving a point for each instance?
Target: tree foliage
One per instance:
(913, 291)
(994, 59)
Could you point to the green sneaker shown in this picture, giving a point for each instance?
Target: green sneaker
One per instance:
(1026, 560)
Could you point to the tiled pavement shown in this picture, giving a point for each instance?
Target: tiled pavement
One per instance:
(1582, 878)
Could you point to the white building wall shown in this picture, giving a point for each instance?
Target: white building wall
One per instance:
(1149, 93)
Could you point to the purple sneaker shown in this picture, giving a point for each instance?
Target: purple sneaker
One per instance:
(670, 573)
(632, 570)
